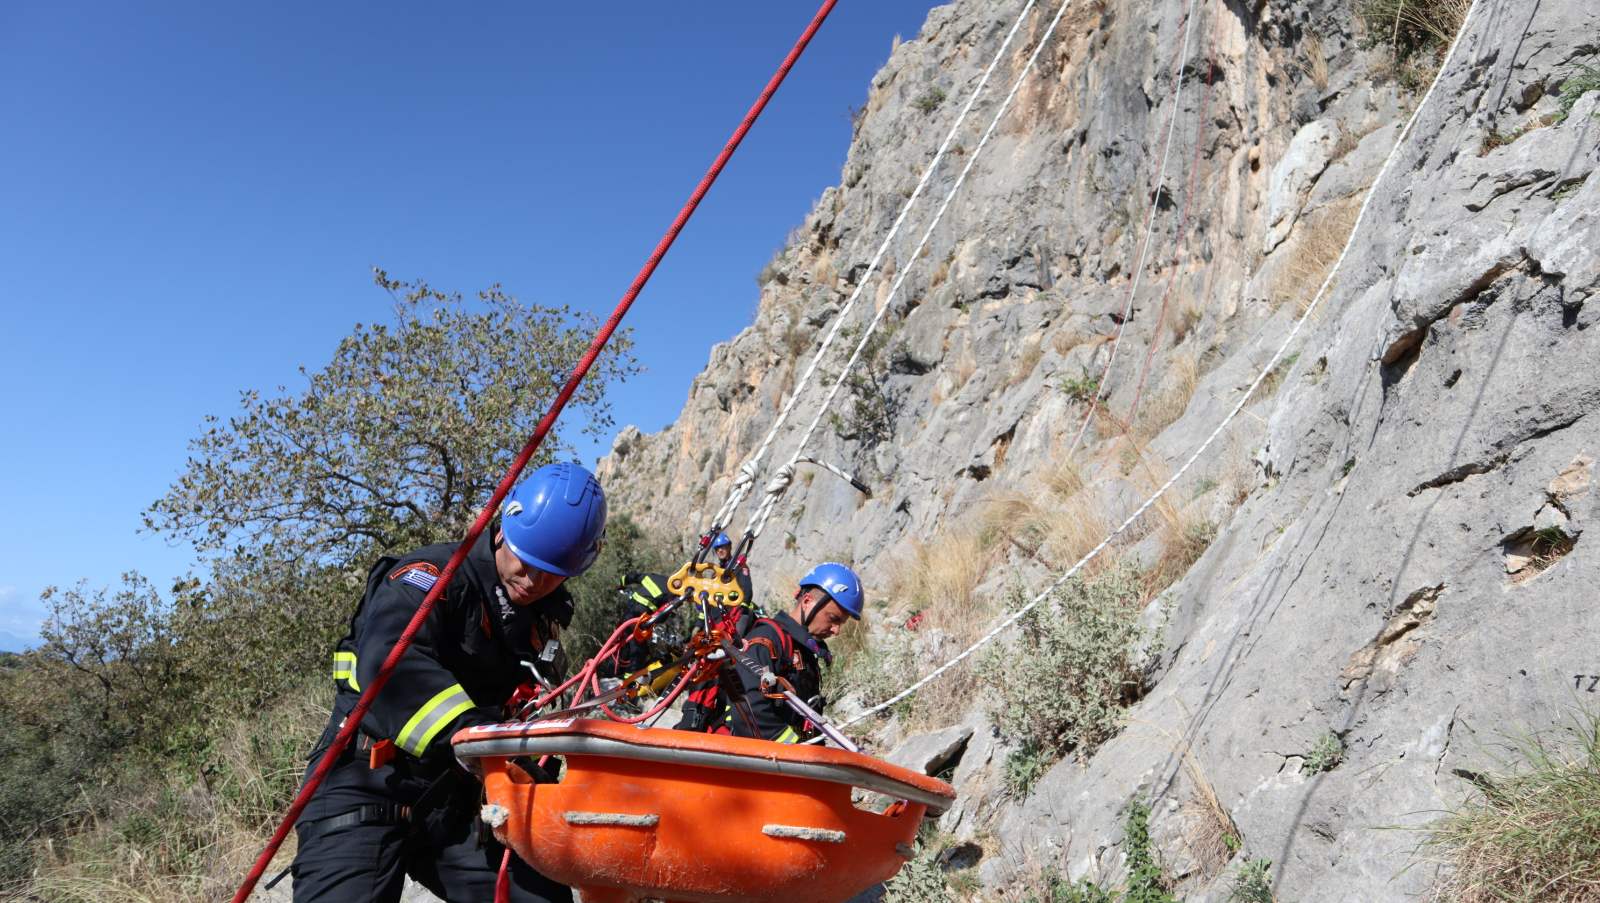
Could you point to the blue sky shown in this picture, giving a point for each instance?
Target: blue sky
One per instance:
(192, 196)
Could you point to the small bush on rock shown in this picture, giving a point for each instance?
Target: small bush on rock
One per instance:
(1146, 882)
(1063, 683)
(1252, 883)
(1325, 754)
(920, 880)
(1580, 82)
(930, 100)
(1025, 765)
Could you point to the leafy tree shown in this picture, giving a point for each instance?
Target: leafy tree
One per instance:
(102, 682)
(398, 440)
(113, 652)
(394, 444)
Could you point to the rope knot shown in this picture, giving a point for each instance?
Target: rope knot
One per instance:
(780, 481)
(747, 474)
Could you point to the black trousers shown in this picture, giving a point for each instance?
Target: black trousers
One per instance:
(357, 863)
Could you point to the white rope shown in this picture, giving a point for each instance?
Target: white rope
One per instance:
(771, 500)
(747, 473)
(1394, 154)
(1102, 389)
(758, 523)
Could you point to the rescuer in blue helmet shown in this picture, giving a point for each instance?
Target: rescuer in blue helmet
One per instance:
(398, 803)
(793, 646)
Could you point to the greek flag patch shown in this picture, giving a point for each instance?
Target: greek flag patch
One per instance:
(419, 574)
(420, 580)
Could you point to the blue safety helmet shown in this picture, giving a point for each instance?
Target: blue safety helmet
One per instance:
(721, 541)
(555, 519)
(840, 583)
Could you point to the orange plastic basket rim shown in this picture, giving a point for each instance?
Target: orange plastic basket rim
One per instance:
(672, 747)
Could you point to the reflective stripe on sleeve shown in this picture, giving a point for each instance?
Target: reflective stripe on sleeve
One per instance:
(344, 668)
(651, 587)
(651, 606)
(432, 718)
(789, 735)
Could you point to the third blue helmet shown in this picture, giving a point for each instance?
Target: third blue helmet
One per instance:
(840, 583)
(555, 519)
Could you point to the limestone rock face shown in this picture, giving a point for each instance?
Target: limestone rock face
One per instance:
(1402, 556)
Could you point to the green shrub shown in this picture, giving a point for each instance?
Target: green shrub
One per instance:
(872, 403)
(1024, 766)
(876, 667)
(1413, 27)
(1580, 82)
(1532, 833)
(1147, 883)
(930, 100)
(920, 880)
(1324, 755)
(1065, 680)
(1082, 388)
(1058, 889)
(173, 831)
(600, 608)
(1252, 883)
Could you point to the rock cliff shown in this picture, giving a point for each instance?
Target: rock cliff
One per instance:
(1393, 529)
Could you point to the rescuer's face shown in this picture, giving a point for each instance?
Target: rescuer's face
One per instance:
(824, 618)
(524, 583)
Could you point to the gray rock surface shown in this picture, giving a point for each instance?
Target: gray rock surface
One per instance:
(932, 752)
(1373, 574)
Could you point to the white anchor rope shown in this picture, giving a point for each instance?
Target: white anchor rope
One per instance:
(759, 521)
(750, 470)
(1011, 619)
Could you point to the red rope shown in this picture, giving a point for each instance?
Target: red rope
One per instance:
(347, 732)
(502, 881)
(1102, 384)
(1183, 222)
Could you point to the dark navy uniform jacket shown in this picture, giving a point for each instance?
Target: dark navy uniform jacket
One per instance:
(461, 668)
(791, 652)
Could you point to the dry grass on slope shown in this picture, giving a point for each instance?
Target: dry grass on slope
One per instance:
(1168, 400)
(1312, 249)
(1530, 834)
(178, 840)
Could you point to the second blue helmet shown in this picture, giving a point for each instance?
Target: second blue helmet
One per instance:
(555, 519)
(840, 583)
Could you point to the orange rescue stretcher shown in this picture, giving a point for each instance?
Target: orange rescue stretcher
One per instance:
(650, 813)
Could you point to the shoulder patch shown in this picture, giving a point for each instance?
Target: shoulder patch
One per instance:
(420, 574)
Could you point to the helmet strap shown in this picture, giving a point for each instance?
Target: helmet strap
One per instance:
(816, 606)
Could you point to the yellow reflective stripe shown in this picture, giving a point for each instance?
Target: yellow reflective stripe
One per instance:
(644, 602)
(431, 718)
(450, 715)
(789, 735)
(344, 668)
(651, 587)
